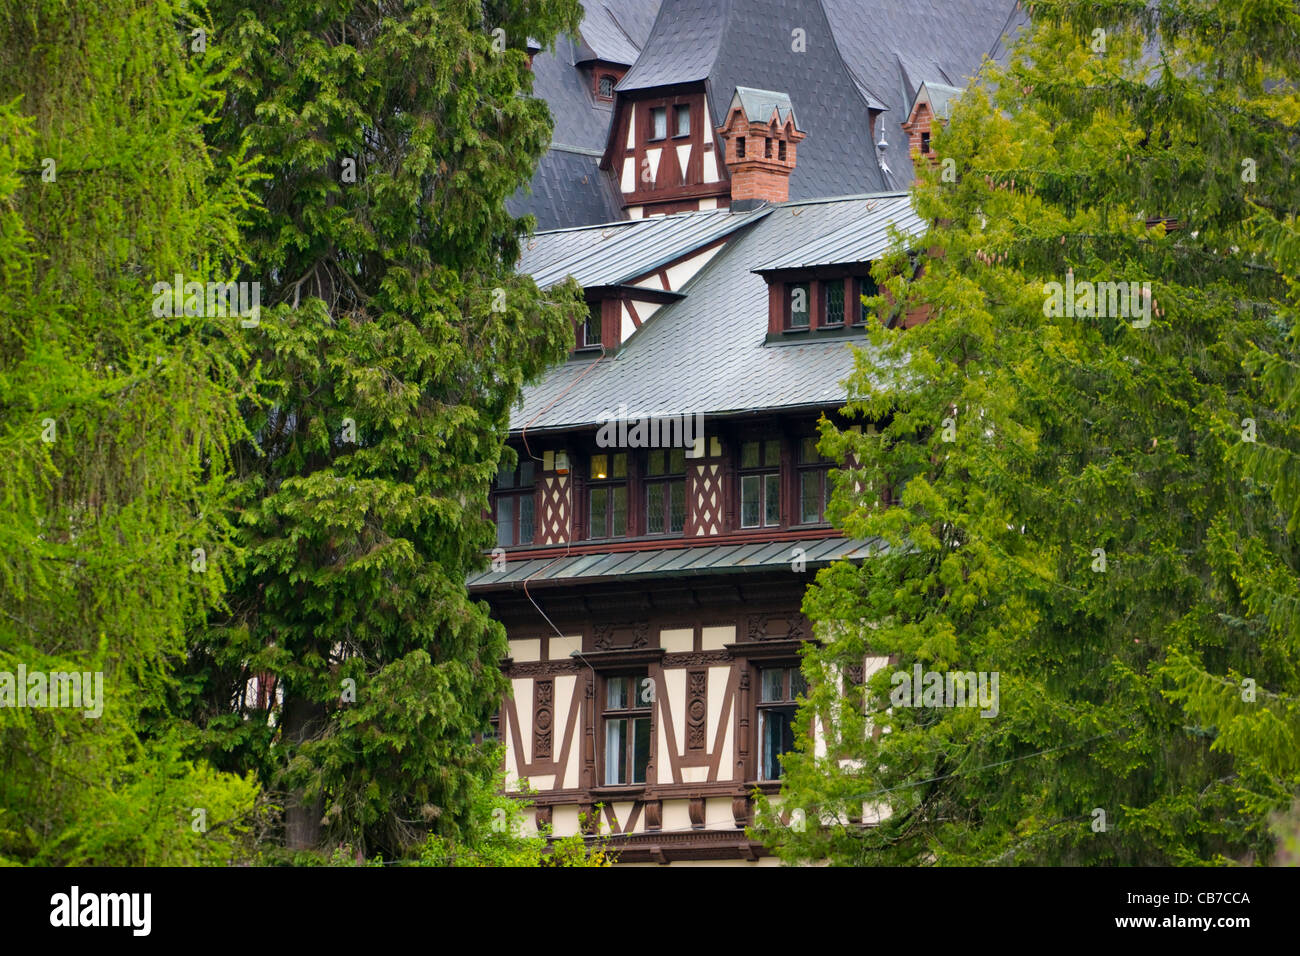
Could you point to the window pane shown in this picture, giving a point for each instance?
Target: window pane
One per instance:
(775, 734)
(864, 285)
(598, 526)
(607, 86)
(677, 461)
(505, 522)
(677, 507)
(526, 519)
(640, 748)
(772, 512)
(749, 501)
(599, 466)
(749, 455)
(799, 305)
(655, 464)
(654, 509)
(615, 752)
(620, 465)
(808, 451)
(591, 328)
(618, 524)
(526, 474)
(617, 693)
(772, 452)
(810, 496)
(659, 120)
(797, 683)
(776, 737)
(683, 114)
(773, 684)
(834, 302)
(505, 477)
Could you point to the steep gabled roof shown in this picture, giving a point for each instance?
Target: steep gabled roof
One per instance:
(568, 190)
(707, 352)
(891, 47)
(753, 43)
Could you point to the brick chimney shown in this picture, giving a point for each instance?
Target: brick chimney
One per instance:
(760, 137)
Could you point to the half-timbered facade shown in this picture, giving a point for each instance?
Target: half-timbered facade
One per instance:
(669, 506)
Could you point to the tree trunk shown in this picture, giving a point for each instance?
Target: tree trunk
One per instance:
(302, 819)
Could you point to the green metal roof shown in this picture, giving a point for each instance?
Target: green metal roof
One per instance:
(659, 562)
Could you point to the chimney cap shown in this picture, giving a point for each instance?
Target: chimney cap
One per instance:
(761, 106)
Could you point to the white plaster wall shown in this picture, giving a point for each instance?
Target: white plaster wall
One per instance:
(712, 638)
(677, 640)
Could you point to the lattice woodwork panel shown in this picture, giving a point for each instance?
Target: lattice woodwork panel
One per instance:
(556, 502)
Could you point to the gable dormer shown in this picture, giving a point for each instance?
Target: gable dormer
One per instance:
(663, 152)
(933, 101)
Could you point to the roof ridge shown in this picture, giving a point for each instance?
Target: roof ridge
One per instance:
(622, 30)
(581, 150)
(880, 194)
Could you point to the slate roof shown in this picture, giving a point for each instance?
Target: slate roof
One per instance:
(619, 252)
(707, 352)
(730, 43)
(861, 239)
(759, 105)
(569, 189)
(892, 46)
(658, 561)
(861, 55)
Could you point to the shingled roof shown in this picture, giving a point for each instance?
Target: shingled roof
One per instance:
(753, 43)
(893, 46)
(707, 352)
(861, 56)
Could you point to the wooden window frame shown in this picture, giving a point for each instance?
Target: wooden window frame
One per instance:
(788, 297)
(516, 493)
(652, 485)
(821, 468)
(762, 471)
(644, 710)
(606, 486)
(788, 703)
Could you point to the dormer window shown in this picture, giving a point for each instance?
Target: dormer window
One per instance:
(589, 332)
(658, 122)
(682, 120)
(605, 87)
(833, 303)
(862, 286)
(798, 305)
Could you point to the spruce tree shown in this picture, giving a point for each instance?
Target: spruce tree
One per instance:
(1092, 503)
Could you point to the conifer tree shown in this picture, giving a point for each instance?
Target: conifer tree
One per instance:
(115, 424)
(353, 671)
(1091, 493)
